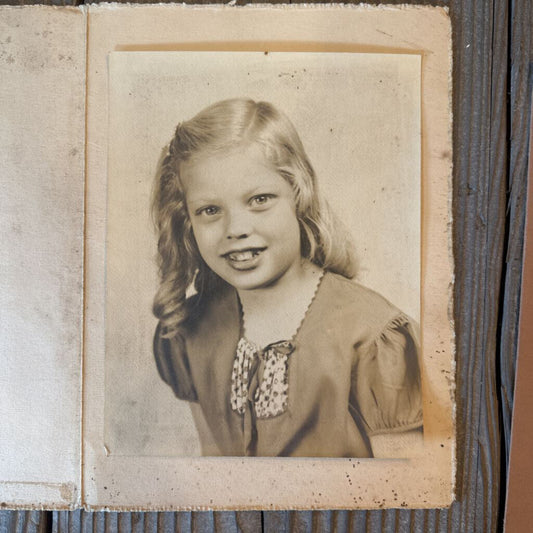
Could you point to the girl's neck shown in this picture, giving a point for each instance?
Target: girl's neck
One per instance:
(275, 313)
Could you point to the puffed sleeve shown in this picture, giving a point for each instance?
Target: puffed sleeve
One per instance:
(386, 380)
(173, 365)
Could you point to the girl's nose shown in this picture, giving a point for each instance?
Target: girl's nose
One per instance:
(239, 225)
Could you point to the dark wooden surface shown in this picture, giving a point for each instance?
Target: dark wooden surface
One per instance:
(491, 81)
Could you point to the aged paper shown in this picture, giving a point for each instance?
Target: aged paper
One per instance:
(118, 439)
(42, 138)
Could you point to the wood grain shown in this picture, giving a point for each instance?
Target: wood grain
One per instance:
(492, 54)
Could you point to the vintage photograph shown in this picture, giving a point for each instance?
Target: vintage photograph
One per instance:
(263, 255)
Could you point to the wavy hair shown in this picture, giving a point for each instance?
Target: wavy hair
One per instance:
(225, 126)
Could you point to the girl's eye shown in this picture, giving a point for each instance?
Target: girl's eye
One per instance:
(208, 211)
(261, 200)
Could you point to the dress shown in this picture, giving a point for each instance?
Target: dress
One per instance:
(353, 372)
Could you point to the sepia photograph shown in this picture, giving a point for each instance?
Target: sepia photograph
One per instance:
(263, 255)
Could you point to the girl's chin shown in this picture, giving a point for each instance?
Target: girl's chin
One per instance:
(247, 280)
(252, 280)
(250, 284)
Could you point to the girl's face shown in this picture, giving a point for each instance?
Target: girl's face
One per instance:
(243, 217)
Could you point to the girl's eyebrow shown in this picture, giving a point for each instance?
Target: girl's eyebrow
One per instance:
(201, 200)
(261, 189)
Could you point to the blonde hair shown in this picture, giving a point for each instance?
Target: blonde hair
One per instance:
(219, 128)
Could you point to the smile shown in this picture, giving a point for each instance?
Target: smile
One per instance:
(246, 258)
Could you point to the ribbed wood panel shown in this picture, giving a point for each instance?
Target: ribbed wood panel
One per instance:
(492, 56)
(479, 211)
(24, 522)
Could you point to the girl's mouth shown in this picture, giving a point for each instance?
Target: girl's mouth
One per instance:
(244, 258)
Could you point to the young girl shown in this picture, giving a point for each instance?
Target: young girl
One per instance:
(260, 324)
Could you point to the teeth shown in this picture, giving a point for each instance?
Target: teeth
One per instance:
(243, 256)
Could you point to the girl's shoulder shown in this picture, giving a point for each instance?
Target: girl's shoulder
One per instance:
(349, 294)
(345, 303)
